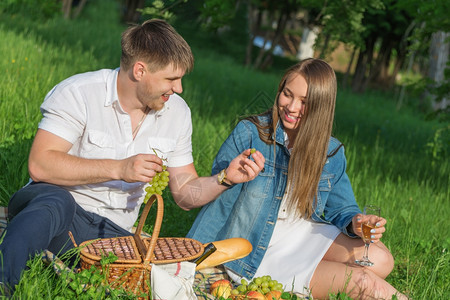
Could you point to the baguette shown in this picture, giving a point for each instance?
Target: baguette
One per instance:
(226, 250)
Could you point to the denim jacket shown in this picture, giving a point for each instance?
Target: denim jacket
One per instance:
(249, 210)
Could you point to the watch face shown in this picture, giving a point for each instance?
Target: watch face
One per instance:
(222, 176)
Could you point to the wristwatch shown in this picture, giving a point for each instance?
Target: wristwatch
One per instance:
(222, 177)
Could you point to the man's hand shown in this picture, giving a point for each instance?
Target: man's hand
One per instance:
(377, 233)
(140, 168)
(243, 169)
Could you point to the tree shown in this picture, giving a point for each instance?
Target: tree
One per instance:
(338, 20)
(130, 10)
(264, 17)
(439, 53)
(432, 46)
(385, 35)
(69, 5)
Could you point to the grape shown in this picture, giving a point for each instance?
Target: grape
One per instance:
(158, 183)
(253, 150)
(242, 288)
(263, 284)
(272, 283)
(234, 292)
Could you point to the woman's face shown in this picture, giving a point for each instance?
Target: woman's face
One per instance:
(291, 104)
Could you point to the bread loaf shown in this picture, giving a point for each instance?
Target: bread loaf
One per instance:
(227, 250)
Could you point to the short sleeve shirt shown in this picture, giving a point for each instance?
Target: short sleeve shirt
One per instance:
(85, 110)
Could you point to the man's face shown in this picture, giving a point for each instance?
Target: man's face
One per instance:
(155, 88)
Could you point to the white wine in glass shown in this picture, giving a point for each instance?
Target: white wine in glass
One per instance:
(366, 227)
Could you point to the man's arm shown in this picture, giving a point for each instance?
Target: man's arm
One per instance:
(191, 191)
(50, 162)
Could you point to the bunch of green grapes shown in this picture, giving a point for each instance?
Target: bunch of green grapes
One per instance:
(158, 183)
(263, 284)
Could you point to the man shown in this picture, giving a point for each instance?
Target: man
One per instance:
(94, 151)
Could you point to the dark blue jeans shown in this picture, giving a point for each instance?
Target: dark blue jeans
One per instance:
(40, 217)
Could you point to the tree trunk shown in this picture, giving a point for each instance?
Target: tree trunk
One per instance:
(80, 7)
(130, 13)
(400, 60)
(326, 42)
(403, 88)
(263, 51)
(349, 69)
(369, 64)
(252, 28)
(66, 8)
(281, 26)
(364, 60)
(439, 52)
(379, 73)
(306, 48)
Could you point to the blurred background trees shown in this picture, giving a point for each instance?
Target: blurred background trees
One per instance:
(389, 43)
(400, 45)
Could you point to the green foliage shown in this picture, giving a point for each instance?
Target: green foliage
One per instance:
(36, 9)
(161, 9)
(433, 13)
(92, 283)
(41, 281)
(437, 148)
(343, 20)
(217, 13)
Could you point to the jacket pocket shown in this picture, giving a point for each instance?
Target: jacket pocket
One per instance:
(325, 182)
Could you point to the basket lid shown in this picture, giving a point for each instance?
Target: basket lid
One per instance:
(123, 247)
(169, 249)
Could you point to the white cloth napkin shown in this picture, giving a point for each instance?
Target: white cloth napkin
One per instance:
(173, 281)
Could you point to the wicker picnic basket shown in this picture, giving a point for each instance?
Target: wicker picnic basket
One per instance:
(136, 254)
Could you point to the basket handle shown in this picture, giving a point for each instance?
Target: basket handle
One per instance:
(148, 253)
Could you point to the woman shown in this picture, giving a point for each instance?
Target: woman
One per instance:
(299, 213)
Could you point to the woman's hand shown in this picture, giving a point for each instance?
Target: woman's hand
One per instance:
(243, 169)
(376, 233)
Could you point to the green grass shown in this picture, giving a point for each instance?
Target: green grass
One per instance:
(396, 159)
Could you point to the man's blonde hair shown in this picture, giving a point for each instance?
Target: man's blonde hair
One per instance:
(157, 44)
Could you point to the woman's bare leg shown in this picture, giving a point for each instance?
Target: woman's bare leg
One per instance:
(346, 250)
(338, 272)
(357, 282)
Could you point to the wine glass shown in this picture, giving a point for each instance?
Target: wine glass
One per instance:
(366, 227)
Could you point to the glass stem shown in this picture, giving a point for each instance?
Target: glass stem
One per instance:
(366, 251)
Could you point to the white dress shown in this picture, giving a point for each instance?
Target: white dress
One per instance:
(295, 249)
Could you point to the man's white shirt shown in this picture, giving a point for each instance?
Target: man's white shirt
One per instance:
(85, 110)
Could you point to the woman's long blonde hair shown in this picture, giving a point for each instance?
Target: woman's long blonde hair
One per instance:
(309, 152)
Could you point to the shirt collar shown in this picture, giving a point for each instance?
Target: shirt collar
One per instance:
(111, 88)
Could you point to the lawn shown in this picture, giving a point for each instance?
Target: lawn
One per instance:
(397, 159)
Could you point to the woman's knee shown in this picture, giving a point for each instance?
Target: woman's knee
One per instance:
(366, 284)
(384, 261)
